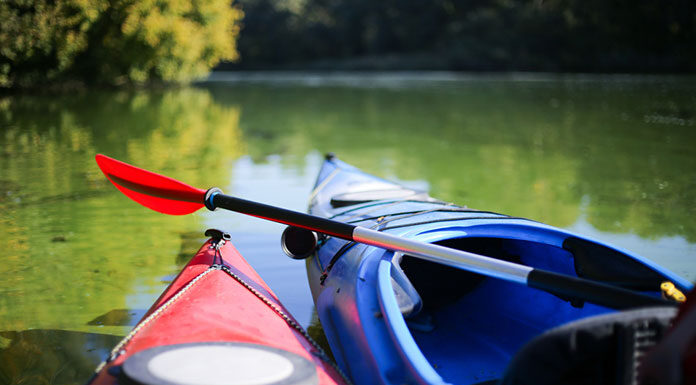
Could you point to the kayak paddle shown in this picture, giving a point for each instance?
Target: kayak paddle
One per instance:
(169, 196)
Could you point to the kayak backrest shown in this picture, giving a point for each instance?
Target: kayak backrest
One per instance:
(407, 298)
(601, 263)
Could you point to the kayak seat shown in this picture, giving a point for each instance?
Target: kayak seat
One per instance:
(576, 257)
(598, 350)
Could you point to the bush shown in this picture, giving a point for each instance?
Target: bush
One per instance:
(113, 42)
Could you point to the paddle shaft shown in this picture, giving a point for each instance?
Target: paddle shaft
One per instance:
(558, 284)
(170, 196)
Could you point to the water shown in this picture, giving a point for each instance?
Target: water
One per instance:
(610, 157)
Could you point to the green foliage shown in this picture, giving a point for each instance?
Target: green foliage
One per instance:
(113, 42)
(547, 35)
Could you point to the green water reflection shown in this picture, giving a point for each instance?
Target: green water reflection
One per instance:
(80, 262)
(72, 248)
(531, 149)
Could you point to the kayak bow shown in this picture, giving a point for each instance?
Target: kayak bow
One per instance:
(217, 323)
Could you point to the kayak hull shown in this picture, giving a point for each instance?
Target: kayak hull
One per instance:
(457, 327)
(218, 298)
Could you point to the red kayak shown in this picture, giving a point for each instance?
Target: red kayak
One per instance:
(217, 323)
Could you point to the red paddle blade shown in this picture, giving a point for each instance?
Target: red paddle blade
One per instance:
(154, 191)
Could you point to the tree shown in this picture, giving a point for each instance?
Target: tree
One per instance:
(113, 42)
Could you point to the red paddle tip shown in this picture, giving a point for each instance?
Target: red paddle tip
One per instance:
(154, 191)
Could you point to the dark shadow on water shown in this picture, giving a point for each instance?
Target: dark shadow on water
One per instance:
(119, 317)
(190, 243)
(317, 333)
(17, 198)
(51, 356)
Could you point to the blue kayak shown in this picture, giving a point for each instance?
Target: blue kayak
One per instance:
(396, 319)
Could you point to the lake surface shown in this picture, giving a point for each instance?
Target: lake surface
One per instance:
(607, 156)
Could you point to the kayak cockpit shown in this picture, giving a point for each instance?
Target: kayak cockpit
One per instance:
(465, 327)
